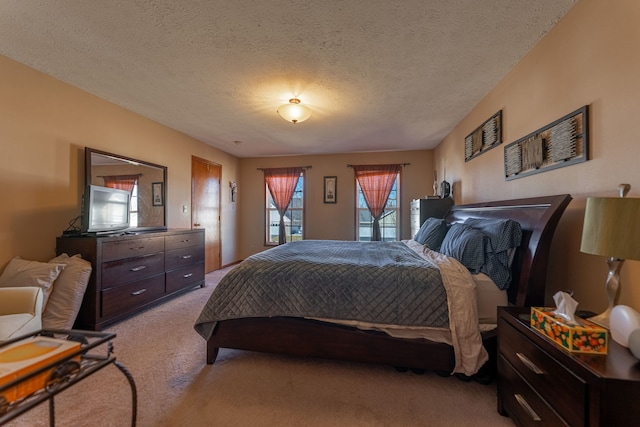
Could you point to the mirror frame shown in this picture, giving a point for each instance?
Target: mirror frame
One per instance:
(88, 152)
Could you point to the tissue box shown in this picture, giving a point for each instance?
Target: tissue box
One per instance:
(585, 337)
(24, 357)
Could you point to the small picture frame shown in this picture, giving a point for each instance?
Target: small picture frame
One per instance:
(157, 193)
(330, 189)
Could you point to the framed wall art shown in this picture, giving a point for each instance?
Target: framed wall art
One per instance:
(330, 189)
(485, 137)
(562, 143)
(156, 193)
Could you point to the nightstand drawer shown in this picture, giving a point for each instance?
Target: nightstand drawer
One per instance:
(580, 390)
(523, 404)
(558, 386)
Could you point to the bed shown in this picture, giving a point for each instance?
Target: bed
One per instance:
(315, 334)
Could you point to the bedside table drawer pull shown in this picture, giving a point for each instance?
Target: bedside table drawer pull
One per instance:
(521, 400)
(529, 364)
(139, 268)
(141, 291)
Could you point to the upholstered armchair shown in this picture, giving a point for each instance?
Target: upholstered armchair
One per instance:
(20, 311)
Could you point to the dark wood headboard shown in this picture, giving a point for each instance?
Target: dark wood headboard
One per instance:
(538, 217)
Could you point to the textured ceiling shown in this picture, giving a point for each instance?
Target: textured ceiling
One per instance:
(378, 75)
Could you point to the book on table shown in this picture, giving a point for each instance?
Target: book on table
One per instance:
(19, 359)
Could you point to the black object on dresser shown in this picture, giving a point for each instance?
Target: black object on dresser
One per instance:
(421, 209)
(132, 272)
(541, 384)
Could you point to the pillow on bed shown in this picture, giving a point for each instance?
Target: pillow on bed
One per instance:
(432, 233)
(505, 235)
(466, 244)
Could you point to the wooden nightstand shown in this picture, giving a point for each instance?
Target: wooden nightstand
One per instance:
(541, 384)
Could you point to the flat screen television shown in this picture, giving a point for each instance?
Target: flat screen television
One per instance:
(105, 210)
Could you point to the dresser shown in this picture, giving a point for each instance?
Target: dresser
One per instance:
(421, 209)
(541, 384)
(133, 272)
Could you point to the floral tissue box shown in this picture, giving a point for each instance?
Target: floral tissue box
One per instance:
(584, 337)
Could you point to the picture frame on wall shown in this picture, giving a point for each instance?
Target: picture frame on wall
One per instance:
(330, 189)
(156, 193)
(485, 137)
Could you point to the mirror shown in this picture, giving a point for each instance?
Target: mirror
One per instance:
(149, 211)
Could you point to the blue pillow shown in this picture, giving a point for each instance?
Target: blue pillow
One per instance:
(505, 235)
(432, 233)
(468, 245)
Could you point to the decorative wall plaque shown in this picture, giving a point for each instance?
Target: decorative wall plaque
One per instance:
(485, 137)
(562, 143)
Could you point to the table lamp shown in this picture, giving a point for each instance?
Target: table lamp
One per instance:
(612, 229)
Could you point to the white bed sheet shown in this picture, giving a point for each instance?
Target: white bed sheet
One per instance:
(489, 298)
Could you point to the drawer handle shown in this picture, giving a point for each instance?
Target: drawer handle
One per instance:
(525, 405)
(141, 291)
(186, 276)
(186, 256)
(141, 267)
(185, 241)
(139, 248)
(529, 364)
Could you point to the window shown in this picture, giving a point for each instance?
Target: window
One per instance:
(293, 217)
(128, 183)
(133, 214)
(390, 220)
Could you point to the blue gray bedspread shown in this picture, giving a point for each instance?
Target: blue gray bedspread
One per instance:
(377, 282)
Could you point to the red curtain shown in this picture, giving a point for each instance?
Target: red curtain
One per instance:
(376, 182)
(121, 182)
(282, 183)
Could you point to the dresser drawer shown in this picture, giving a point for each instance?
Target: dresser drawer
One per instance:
(121, 249)
(523, 404)
(558, 386)
(415, 222)
(126, 298)
(184, 277)
(177, 241)
(116, 273)
(182, 257)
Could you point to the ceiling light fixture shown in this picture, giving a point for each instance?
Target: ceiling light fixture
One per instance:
(294, 111)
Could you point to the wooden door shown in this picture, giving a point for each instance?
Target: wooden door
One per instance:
(205, 208)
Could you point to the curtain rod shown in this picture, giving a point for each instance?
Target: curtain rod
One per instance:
(303, 167)
(401, 164)
(122, 174)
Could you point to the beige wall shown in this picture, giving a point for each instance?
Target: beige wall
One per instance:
(327, 221)
(45, 125)
(589, 58)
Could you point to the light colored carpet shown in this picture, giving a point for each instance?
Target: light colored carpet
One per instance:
(176, 387)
